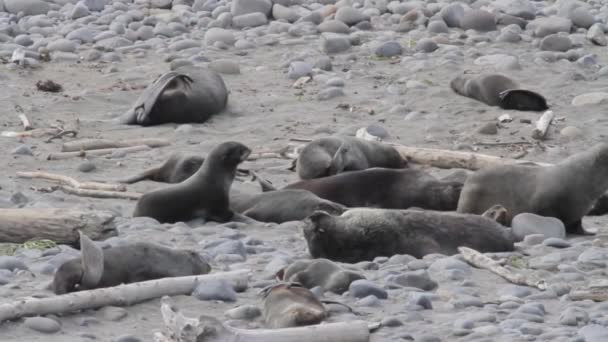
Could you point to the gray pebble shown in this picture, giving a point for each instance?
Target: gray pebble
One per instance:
(391, 322)
(478, 20)
(324, 63)
(249, 20)
(452, 14)
(63, 45)
(350, 16)
(573, 317)
(527, 223)
(23, 150)
(556, 243)
(594, 333)
(438, 26)
(42, 324)
(489, 128)
(95, 5)
(362, 288)
(11, 263)
(239, 7)
(225, 66)
(86, 166)
(299, 69)
(546, 26)
(418, 279)
(369, 301)
(554, 42)
(334, 26)
(334, 82)
(113, 313)
(334, 43)
(421, 300)
(514, 291)
(593, 257)
(330, 93)
(214, 290)
(28, 7)
(389, 49)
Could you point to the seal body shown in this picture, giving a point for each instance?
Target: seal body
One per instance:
(498, 90)
(204, 195)
(320, 272)
(176, 169)
(281, 205)
(385, 188)
(291, 305)
(332, 155)
(567, 190)
(363, 234)
(187, 95)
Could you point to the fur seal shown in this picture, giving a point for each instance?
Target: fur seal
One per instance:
(363, 234)
(384, 188)
(332, 155)
(291, 305)
(131, 263)
(566, 190)
(498, 90)
(204, 195)
(176, 169)
(319, 272)
(186, 95)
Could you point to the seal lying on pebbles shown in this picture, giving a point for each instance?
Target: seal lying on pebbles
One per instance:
(319, 272)
(204, 195)
(291, 305)
(131, 263)
(332, 155)
(363, 234)
(498, 90)
(187, 95)
(566, 190)
(282, 205)
(384, 188)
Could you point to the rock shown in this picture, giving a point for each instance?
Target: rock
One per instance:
(596, 35)
(229, 247)
(527, 223)
(517, 8)
(23, 150)
(573, 316)
(225, 66)
(489, 128)
(215, 290)
(546, 26)
(28, 7)
(389, 49)
(438, 26)
(79, 11)
(478, 20)
(86, 166)
(581, 17)
(324, 63)
(593, 257)
(391, 322)
(334, 82)
(369, 301)
(418, 279)
(554, 42)
(426, 45)
(334, 26)
(556, 243)
(334, 43)
(113, 313)
(217, 34)
(514, 291)
(298, 69)
(420, 299)
(245, 312)
(350, 16)
(249, 20)
(240, 7)
(330, 93)
(42, 324)
(127, 338)
(571, 132)
(11, 263)
(590, 99)
(285, 13)
(362, 288)
(95, 5)
(452, 14)
(594, 333)
(83, 35)
(183, 45)
(63, 45)
(449, 268)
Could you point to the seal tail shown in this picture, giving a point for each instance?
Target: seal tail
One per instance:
(140, 176)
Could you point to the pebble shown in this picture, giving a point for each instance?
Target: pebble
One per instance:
(590, 99)
(594, 333)
(369, 301)
(389, 49)
(95, 5)
(514, 291)
(334, 43)
(299, 69)
(350, 16)
(113, 313)
(517, 8)
(596, 35)
(334, 26)
(214, 290)
(554, 42)
(571, 132)
(225, 66)
(86, 166)
(478, 20)
(28, 7)
(217, 34)
(527, 223)
(556, 243)
(240, 7)
(249, 20)
(438, 26)
(324, 63)
(63, 45)
(551, 25)
(452, 14)
(334, 82)
(23, 150)
(426, 45)
(83, 35)
(489, 128)
(281, 12)
(573, 317)
(330, 93)
(593, 257)
(418, 279)
(42, 324)
(362, 288)
(420, 299)
(246, 312)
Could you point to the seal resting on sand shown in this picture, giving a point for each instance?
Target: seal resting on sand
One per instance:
(332, 155)
(131, 263)
(291, 305)
(186, 95)
(204, 195)
(498, 90)
(567, 190)
(363, 234)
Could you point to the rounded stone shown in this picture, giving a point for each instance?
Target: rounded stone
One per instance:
(42, 325)
(554, 42)
(389, 49)
(362, 288)
(478, 20)
(527, 223)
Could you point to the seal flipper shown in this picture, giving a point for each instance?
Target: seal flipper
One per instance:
(522, 99)
(578, 229)
(92, 262)
(264, 184)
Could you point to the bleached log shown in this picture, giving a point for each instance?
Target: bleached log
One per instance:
(542, 125)
(25, 121)
(479, 260)
(36, 132)
(99, 193)
(209, 329)
(71, 181)
(60, 225)
(122, 295)
(100, 152)
(96, 144)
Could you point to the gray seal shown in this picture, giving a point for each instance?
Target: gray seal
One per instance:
(498, 90)
(186, 95)
(289, 305)
(204, 195)
(567, 190)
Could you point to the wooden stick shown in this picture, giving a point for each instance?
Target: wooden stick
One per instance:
(60, 225)
(97, 144)
(36, 132)
(26, 123)
(99, 193)
(72, 182)
(542, 125)
(479, 260)
(122, 295)
(100, 152)
(208, 329)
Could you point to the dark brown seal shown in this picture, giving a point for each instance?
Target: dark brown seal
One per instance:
(186, 95)
(176, 169)
(204, 195)
(385, 188)
(566, 190)
(498, 90)
(320, 272)
(332, 155)
(363, 234)
(130, 263)
(291, 305)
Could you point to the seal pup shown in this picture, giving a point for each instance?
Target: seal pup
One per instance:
(332, 155)
(186, 95)
(204, 195)
(363, 234)
(130, 263)
(566, 190)
(291, 305)
(319, 272)
(384, 188)
(498, 90)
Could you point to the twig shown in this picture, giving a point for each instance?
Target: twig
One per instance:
(542, 125)
(503, 143)
(61, 135)
(96, 144)
(98, 193)
(100, 152)
(71, 181)
(479, 260)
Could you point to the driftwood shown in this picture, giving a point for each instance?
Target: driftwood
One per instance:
(98, 193)
(287, 152)
(122, 295)
(57, 224)
(597, 292)
(542, 125)
(36, 132)
(97, 144)
(208, 329)
(71, 182)
(477, 259)
(25, 121)
(100, 152)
